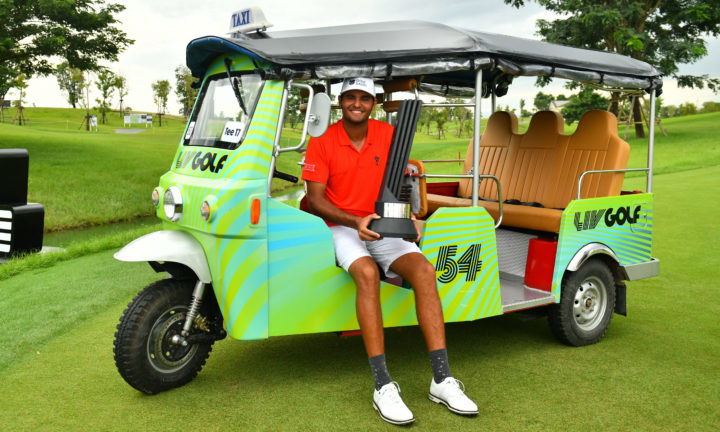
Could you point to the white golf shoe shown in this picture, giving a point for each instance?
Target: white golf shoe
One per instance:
(390, 406)
(450, 394)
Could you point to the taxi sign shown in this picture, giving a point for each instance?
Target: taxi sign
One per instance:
(247, 20)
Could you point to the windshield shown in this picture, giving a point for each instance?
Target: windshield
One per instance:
(221, 121)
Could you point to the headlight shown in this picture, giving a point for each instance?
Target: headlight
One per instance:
(156, 196)
(172, 203)
(206, 207)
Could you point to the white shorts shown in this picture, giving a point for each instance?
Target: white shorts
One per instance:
(349, 248)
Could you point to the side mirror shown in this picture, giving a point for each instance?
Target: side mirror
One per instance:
(318, 118)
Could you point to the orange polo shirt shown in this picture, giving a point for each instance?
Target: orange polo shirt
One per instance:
(353, 178)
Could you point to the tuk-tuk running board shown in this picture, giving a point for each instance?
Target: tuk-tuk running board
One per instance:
(517, 296)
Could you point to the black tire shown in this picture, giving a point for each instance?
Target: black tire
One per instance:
(586, 305)
(144, 355)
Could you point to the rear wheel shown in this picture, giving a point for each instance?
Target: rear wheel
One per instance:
(145, 354)
(586, 305)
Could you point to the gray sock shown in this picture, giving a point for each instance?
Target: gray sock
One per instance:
(379, 371)
(440, 365)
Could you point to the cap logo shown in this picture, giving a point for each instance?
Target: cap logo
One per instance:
(362, 84)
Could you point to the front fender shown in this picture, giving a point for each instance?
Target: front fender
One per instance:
(168, 246)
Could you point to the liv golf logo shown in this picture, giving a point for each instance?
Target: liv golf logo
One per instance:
(621, 216)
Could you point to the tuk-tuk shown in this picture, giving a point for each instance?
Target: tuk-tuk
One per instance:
(535, 220)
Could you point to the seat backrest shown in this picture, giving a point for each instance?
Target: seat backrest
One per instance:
(495, 150)
(595, 145)
(531, 178)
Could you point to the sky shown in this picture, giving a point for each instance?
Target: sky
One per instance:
(162, 29)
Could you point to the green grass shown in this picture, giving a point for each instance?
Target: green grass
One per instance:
(655, 369)
(42, 303)
(692, 142)
(77, 249)
(72, 119)
(90, 178)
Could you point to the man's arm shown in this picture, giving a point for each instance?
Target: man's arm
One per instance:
(320, 206)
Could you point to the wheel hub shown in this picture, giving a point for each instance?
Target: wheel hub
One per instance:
(172, 350)
(590, 303)
(163, 353)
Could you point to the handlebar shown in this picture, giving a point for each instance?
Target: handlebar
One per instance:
(285, 176)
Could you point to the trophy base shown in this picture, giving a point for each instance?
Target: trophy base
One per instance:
(394, 227)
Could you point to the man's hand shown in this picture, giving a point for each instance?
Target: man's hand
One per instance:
(364, 232)
(417, 228)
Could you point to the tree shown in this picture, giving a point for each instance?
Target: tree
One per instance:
(709, 107)
(441, 118)
(542, 101)
(20, 83)
(377, 112)
(584, 101)
(82, 32)
(161, 91)
(523, 111)
(183, 89)
(106, 83)
(668, 111)
(687, 108)
(424, 120)
(121, 86)
(85, 99)
(663, 33)
(292, 109)
(464, 118)
(70, 80)
(6, 79)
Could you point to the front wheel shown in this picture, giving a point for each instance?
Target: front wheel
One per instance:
(586, 305)
(145, 355)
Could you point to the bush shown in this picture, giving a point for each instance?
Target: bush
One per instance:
(584, 101)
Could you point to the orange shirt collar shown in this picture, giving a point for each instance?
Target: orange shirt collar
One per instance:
(346, 139)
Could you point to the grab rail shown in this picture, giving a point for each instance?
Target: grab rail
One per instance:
(480, 176)
(647, 171)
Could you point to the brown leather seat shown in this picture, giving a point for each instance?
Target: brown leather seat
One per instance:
(541, 167)
(595, 145)
(495, 150)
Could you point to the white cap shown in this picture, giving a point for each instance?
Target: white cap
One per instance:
(361, 83)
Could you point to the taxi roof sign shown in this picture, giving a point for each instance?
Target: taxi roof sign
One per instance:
(247, 20)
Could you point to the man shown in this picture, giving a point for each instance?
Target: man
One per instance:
(344, 171)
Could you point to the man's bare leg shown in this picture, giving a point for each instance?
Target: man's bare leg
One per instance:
(416, 269)
(369, 313)
(444, 389)
(386, 398)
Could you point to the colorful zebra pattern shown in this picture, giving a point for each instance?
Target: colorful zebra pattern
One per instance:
(622, 223)
(310, 294)
(278, 276)
(235, 248)
(460, 243)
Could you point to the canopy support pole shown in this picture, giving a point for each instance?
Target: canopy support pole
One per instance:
(651, 141)
(476, 137)
(278, 133)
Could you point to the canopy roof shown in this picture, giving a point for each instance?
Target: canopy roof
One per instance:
(444, 55)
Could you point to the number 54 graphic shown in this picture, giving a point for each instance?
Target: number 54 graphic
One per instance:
(469, 263)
